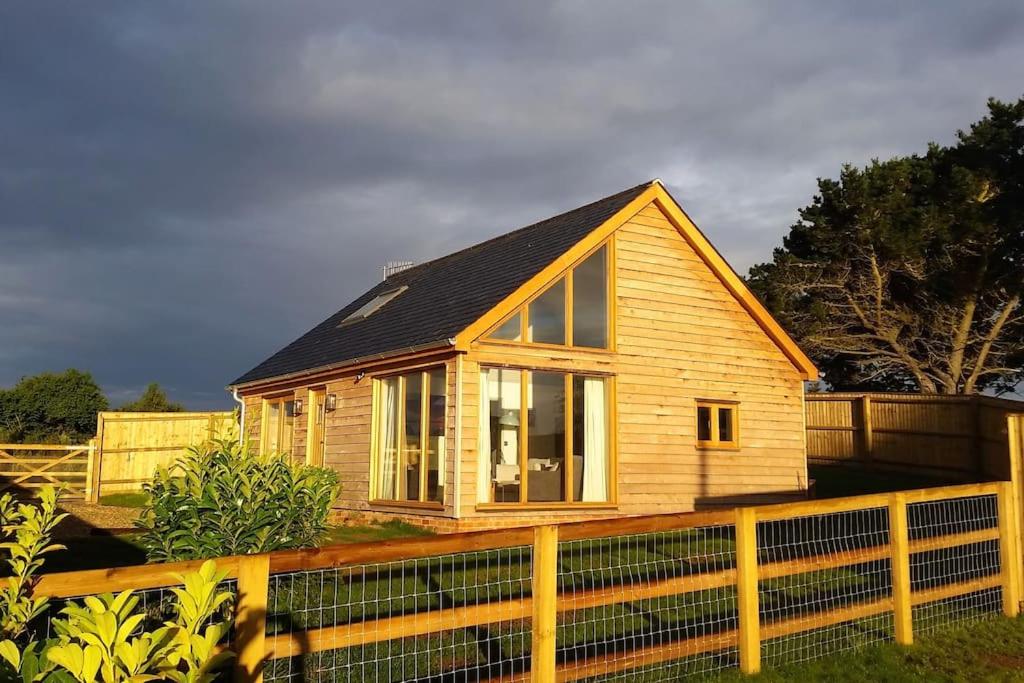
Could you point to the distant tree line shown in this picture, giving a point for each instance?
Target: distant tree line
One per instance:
(908, 274)
(61, 407)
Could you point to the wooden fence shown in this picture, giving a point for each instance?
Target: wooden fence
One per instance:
(130, 446)
(24, 468)
(958, 436)
(815, 544)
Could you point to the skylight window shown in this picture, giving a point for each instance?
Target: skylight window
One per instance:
(372, 306)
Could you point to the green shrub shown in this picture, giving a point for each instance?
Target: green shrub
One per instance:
(105, 639)
(222, 500)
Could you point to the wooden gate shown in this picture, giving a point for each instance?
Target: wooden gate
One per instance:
(24, 468)
(131, 446)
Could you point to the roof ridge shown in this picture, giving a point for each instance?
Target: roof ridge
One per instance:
(516, 231)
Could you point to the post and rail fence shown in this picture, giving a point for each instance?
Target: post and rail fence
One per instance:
(622, 599)
(127, 450)
(25, 468)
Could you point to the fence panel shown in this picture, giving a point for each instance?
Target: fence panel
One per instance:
(956, 436)
(133, 445)
(653, 599)
(25, 468)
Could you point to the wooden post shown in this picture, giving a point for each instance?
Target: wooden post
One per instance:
(90, 467)
(746, 591)
(545, 610)
(251, 618)
(1009, 550)
(867, 430)
(97, 459)
(899, 546)
(1015, 441)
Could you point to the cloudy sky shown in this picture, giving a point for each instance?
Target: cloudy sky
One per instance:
(186, 187)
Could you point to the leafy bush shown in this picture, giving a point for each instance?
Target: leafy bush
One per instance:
(104, 639)
(27, 530)
(221, 499)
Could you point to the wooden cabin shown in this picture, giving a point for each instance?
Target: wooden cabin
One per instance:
(604, 362)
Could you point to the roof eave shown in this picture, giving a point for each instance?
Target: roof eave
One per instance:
(385, 355)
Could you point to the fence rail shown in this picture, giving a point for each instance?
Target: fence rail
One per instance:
(956, 436)
(27, 467)
(617, 599)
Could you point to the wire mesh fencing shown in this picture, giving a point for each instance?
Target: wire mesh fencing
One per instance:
(940, 573)
(816, 568)
(640, 599)
(462, 616)
(648, 607)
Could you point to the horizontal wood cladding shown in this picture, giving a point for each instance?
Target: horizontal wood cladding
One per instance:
(680, 336)
(347, 429)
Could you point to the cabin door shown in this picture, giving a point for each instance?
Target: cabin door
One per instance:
(317, 415)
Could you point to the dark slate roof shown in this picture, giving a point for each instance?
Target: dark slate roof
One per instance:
(444, 296)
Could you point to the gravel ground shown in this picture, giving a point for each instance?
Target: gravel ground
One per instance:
(84, 517)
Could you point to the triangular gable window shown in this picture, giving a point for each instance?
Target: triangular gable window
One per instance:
(371, 306)
(573, 311)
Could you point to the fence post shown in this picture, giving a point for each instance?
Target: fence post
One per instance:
(251, 618)
(545, 596)
(91, 494)
(96, 475)
(899, 546)
(746, 590)
(1015, 441)
(1009, 557)
(868, 431)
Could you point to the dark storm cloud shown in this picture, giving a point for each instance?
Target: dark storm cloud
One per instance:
(186, 187)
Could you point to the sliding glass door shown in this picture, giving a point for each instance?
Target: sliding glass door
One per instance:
(544, 437)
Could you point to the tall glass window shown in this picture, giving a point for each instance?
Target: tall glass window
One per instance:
(557, 450)
(546, 316)
(546, 437)
(585, 289)
(410, 453)
(279, 432)
(590, 301)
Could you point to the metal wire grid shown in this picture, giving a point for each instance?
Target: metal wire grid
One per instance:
(656, 638)
(806, 599)
(937, 568)
(362, 596)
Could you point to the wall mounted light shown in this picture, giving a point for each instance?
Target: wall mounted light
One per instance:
(360, 376)
(331, 402)
(298, 407)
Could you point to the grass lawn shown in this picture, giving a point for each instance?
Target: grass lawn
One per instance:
(991, 650)
(128, 499)
(99, 552)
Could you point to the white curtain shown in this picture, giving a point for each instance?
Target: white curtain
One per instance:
(388, 440)
(483, 463)
(595, 446)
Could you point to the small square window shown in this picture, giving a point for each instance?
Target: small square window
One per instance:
(717, 425)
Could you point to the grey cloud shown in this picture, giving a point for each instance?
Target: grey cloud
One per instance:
(186, 187)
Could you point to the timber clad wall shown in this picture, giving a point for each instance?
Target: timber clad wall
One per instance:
(679, 336)
(347, 431)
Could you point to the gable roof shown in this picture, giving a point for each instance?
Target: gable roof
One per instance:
(450, 301)
(444, 296)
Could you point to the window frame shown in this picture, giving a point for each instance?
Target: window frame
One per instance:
(280, 400)
(375, 498)
(567, 275)
(611, 405)
(714, 405)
